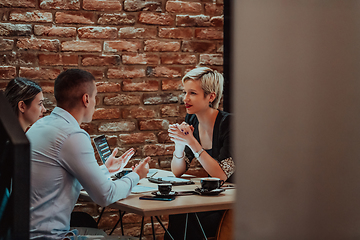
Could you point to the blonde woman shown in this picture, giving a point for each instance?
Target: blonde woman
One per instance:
(205, 135)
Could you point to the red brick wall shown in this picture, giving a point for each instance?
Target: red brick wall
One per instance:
(137, 50)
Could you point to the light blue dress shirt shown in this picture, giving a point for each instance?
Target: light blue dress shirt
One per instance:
(62, 162)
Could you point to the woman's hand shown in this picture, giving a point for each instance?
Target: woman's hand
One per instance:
(181, 134)
(115, 164)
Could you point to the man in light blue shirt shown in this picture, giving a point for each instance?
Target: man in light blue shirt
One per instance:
(63, 160)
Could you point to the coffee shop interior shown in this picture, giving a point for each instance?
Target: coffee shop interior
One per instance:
(292, 85)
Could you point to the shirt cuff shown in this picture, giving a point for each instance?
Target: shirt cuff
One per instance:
(134, 178)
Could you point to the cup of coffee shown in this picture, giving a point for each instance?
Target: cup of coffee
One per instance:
(211, 183)
(165, 188)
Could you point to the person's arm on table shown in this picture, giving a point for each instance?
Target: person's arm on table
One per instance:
(81, 162)
(222, 170)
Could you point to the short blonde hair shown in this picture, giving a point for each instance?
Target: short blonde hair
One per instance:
(211, 81)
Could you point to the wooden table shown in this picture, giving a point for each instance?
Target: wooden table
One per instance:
(182, 204)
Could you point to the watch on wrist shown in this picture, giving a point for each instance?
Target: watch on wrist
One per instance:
(197, 154)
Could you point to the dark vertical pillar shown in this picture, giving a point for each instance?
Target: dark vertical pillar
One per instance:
(297, 119)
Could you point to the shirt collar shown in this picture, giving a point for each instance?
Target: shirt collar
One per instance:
(65, 115)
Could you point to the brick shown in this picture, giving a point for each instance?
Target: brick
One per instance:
(51, 31)
(163, 19)
(108, 220)
(161, 46)
(81, 46)
(106, 113)
(158, 149)
(90, 128)
(48, 45)
(122, 46)
(7, 72)
(9, 29)
(211, 59)
(163, 137)
(178, 59)
(112, 140)
(161, 71)
(178, 33)
(143, 5)
(50, 102)
(144, 86)
(214, 9)
(154, 124)
(165, 163)
(58, 60)
(6, 44)
(94, 60)
(97, 73)
(157, 227)
(116, 19)
(122, 99)
(123, 126)
(171, 85)
(18, 3)
(131, 218)
(193, 21)
(126, 72)
(108, 87)
(183, 7)
(2, 59)
(74, 17)
(47, 87)
(30, 16)
(102, 5)
(217, 21)
(198, 46)
(170, 111)
(203, 33)
(163, 98)
(220, 48)
(134, 138)
(138, 112)
(20, 58)
(60, 4)
(142, 58)
(137, 32)
(97, 32)
(39, 73)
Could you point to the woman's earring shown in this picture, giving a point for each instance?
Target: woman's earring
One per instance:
(210, 104)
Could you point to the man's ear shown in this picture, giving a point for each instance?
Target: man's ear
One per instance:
(21, 106)
(86, 99)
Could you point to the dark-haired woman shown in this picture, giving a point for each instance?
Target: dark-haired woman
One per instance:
(26, 99)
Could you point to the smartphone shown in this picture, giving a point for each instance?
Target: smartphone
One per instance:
(159, 198)
(102, 146)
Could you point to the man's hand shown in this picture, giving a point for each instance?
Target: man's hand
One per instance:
(115, 164)
(142, 168)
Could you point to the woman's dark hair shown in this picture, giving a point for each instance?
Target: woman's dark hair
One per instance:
(21, 89)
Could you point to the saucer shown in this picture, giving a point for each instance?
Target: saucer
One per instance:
(157, 193)
(204, 192)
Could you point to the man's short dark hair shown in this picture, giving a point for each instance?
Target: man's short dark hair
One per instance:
(71, 85)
